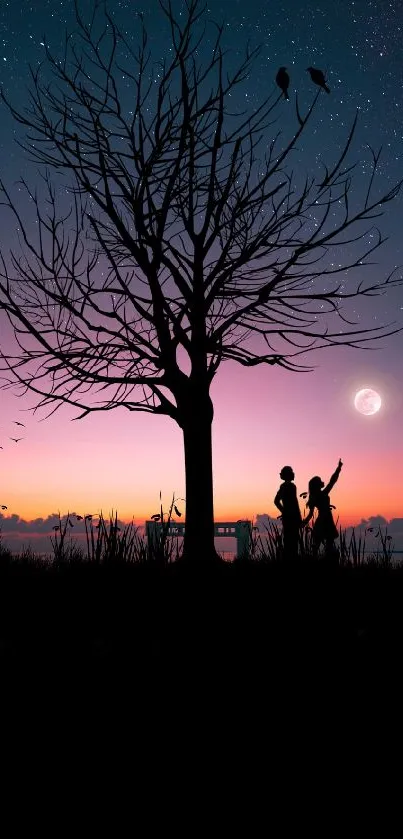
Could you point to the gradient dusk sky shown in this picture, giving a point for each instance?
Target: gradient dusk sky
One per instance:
(264, 417)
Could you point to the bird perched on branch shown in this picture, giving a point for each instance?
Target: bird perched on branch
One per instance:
(283, 81)
(318, 78)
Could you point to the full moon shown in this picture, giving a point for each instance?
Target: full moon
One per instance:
(367, 401)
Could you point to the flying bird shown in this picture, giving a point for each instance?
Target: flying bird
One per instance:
(318, 78)
(19, 423)
(283, 80)
(16, 439)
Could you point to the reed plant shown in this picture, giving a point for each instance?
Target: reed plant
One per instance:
(107, 541)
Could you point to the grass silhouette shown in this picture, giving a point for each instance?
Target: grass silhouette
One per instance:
(115, 610)
(111, 552)
(107, 542)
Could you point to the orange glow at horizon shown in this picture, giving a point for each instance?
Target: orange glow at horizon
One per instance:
(117, 461)
(352, 503)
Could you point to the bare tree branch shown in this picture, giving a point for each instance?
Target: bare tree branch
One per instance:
(177, 225)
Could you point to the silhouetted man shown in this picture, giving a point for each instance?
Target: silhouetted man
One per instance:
(318, 78)
(283, 81)
(286, 501)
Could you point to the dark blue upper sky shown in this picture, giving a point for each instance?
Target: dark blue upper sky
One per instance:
(357, 44)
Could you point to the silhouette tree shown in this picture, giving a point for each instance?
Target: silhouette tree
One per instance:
(168, 228)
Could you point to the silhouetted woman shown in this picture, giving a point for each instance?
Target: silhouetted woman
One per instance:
(324, 529)
(287, 502)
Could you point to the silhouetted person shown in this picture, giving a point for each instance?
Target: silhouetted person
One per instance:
(318, 78)
(283, 81)
(287, 502)
(324, 529)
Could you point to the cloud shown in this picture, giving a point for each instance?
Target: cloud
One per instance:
(14, 524)
(18, 533)
(393, 528)
(376, 527)
(374, 521)
(262, 520)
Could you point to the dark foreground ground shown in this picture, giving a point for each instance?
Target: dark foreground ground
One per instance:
(233, 628)
(244, 670)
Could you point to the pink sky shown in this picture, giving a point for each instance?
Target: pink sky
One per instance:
(264, 418)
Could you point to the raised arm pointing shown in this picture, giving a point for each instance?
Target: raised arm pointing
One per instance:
(334, 477)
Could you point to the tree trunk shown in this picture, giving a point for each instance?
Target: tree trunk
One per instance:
(199, 525)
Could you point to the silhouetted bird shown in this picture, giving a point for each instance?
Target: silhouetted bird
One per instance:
(18, 423)
(283, 80)
(16, 439)
(318, 78)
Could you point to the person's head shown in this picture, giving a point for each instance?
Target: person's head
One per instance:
(315, 485)
(287, 473)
